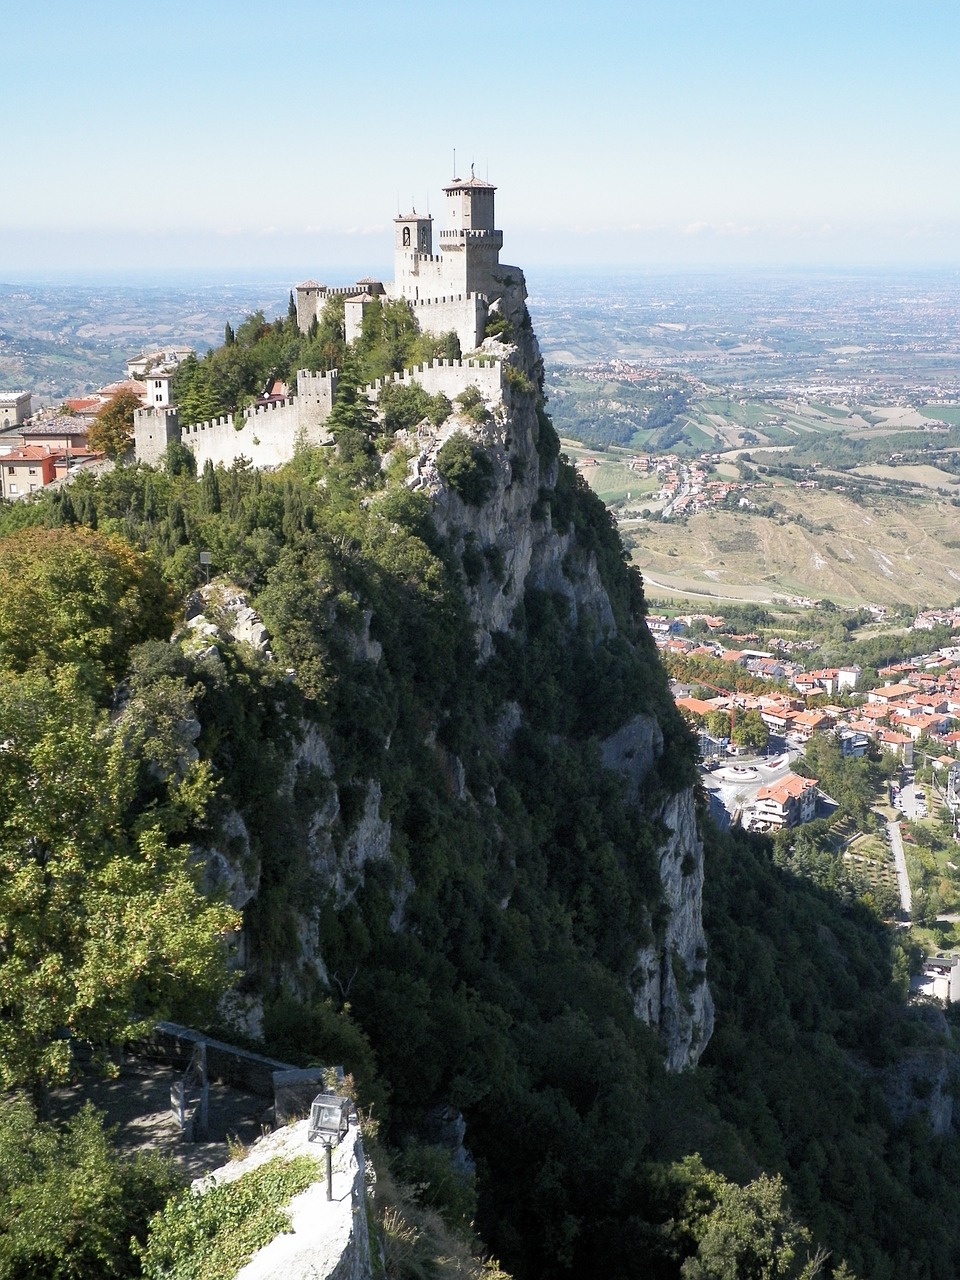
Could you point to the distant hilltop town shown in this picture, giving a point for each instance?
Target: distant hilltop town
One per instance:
(454, 290)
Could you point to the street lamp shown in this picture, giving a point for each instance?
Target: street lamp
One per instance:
(329, 1121)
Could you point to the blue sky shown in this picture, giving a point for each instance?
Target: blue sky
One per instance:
(253, 138)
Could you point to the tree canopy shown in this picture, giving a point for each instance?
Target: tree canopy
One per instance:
(101, 920)
(112, 429)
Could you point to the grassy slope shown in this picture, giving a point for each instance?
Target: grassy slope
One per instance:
(887, 552)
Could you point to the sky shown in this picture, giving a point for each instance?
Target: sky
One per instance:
(252, 139)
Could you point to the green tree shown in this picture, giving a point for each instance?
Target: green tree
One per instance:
(70, 1205)
(112, 429)
(102, 925)
(71, 596)
(740, 1233)
(718, 724)
(750, 731)
(466, 467)
(209, 490)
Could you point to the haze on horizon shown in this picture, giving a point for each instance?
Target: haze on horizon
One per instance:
(703, 133)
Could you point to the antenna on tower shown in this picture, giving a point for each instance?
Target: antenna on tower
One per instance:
(454, 164)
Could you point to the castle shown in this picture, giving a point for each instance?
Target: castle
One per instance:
(453, 290)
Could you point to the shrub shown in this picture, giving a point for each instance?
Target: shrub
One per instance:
(210, 1235)
(466, 468)
(517, 379)
(498, 327)
(471, 403)
(69, 1204)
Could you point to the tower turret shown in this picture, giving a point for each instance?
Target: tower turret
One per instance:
(414, 233)
(470, 204)
(470, 238)
(413, 240)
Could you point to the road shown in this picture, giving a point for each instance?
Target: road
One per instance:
(903, 880)
(736, 783)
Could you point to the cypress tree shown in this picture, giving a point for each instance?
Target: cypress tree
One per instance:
(209, 490)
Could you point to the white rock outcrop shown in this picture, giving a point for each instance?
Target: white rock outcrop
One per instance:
(669, 983)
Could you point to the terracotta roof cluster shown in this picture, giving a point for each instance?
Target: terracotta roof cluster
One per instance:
(789, 787)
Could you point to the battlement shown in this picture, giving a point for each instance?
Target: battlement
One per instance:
(256, 410)
(448, 297)
(449, 376)
(414, 255)
(211, 424)
(467, 233)
(346, 290)
(315, 376)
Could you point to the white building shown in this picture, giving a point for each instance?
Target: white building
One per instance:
(14, 408)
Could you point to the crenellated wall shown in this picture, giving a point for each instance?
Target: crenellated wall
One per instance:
(449, 376)
(464, 314)
(269, 433)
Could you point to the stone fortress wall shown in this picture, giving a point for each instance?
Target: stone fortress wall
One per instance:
(269, 434)
(450, 291)
(450, 377)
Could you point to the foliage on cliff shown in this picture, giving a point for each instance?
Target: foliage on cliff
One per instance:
(69, 1204)
(486, 962)
(101, 920)
(259, 352)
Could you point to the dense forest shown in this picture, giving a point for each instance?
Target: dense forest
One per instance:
(527, 883)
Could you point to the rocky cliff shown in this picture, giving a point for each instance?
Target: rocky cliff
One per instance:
(517, 538)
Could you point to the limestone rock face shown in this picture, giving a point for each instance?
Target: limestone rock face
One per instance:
(220, 609)
(925, 1081)
(511, 529)
(669, 984)
(517, 539)
(633, 750)
(230, 869)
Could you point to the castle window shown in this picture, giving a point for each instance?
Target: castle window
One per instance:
(406, 237)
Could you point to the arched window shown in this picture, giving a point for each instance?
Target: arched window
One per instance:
(406, 237)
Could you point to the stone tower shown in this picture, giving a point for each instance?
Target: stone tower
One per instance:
(412, 245)
(470, 242)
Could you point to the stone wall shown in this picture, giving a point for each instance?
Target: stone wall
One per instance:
(464, 314)
(328, 1239)
(451, 377)
(240, 1068)
(268, 434)
(266, 438)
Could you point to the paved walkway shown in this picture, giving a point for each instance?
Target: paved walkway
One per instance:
(137, 1104)
(903, 880)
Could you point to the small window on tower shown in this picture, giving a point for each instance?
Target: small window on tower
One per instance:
(406, 237)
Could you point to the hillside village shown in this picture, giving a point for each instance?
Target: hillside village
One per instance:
(915, 702)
